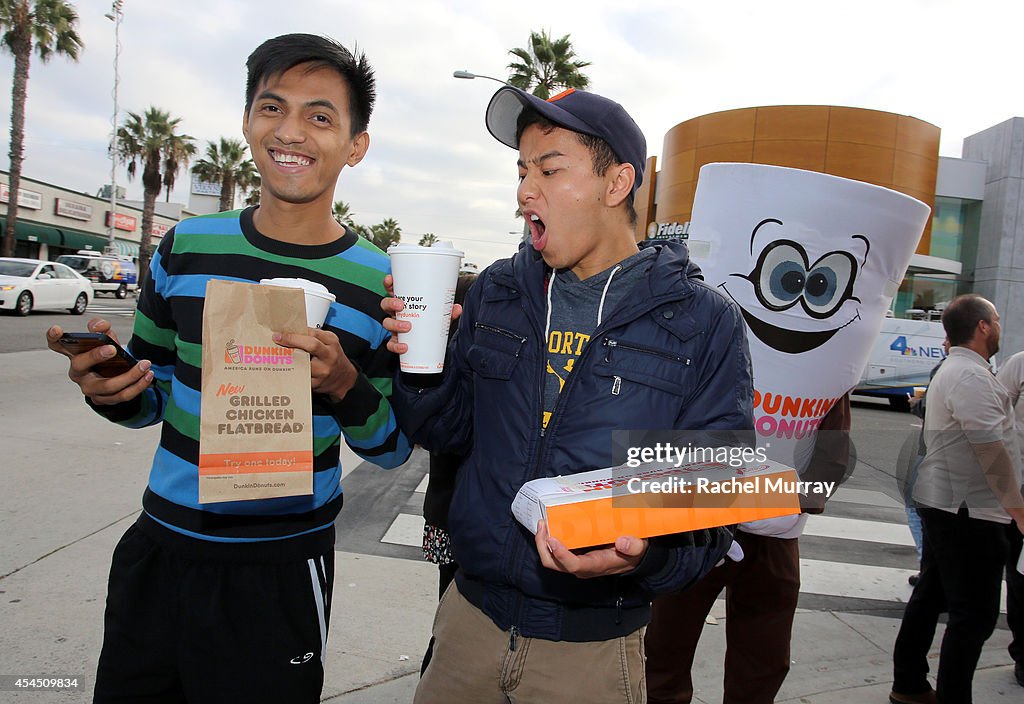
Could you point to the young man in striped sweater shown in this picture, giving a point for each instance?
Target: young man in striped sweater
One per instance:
(230, 601)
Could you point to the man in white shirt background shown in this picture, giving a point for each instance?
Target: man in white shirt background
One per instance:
(1011, 375)
(967, 491)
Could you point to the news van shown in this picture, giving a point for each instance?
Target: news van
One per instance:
(903, 357)
(108, 273)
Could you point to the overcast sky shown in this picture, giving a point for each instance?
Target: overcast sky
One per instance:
(432, 165)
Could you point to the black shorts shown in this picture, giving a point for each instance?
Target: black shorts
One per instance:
(191, 620)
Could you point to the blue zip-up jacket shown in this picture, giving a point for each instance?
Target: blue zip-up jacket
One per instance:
(677, 355)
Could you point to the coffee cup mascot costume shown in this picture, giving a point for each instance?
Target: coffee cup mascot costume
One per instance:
(813, 262)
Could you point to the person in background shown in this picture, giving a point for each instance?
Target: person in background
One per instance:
(437, 547)
(968, 487)
(231, 602)
(1011, 375)
(918, 404)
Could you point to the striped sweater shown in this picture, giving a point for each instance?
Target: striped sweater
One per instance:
(168, 332)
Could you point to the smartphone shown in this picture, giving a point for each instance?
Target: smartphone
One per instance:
(79, 342)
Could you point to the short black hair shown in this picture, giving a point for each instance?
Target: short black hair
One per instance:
(601, 155)
(961, 317)
(275, 56)
(462, 285)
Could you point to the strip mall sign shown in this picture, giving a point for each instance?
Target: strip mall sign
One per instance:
(668, 230)
(72, 209)
(122, 221)
(26, 199)
(205, 188)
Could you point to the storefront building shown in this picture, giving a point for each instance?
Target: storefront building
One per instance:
(975, 241)
(53, 220)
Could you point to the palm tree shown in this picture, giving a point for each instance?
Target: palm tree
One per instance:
(343, 214)
(547, 66)
(249, 182)
(226, 164)
(151, 140)
(428, 239)
(386, 234)
(49, 26)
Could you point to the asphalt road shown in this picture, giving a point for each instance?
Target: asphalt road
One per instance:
(19, 334)
(878, 432)
(71, 486)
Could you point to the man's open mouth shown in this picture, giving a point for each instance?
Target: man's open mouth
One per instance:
(537, 231)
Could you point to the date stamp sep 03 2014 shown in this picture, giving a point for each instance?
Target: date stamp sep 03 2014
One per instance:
(50, 683)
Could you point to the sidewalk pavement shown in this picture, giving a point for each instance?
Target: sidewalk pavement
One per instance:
(72, 484)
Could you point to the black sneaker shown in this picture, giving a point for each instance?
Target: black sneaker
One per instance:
(914, 579)
(1018, 673)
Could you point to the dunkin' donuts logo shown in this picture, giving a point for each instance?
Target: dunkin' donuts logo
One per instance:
(257, 354)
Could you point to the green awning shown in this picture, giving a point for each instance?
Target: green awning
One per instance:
(127, 249)
(33, 232)
(76, 239)
(28, 231)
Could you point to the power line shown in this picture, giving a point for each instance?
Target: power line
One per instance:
(465, 239)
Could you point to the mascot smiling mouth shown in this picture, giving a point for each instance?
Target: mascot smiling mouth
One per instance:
(783, 339)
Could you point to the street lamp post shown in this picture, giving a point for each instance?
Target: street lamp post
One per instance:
(470, 74)
(115, 15)
(525, 234)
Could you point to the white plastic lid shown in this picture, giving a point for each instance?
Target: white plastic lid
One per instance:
(306, 285)
(440, 247)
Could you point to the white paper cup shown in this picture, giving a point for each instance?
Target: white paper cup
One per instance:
(425, 279)
(318, 298)
(812, 261)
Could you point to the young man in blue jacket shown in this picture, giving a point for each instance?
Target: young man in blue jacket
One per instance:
(578, 335)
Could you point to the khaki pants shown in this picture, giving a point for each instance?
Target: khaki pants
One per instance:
(473, 662)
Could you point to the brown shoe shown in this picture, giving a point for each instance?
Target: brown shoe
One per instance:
(922, 698)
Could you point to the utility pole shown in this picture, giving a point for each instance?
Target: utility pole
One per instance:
(115, 15)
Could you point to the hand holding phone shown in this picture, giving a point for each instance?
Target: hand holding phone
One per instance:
(79, 342)
(89, 367)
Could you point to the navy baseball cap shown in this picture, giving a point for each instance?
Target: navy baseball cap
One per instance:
(577, 111)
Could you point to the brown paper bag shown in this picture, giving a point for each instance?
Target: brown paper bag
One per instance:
(256, 422)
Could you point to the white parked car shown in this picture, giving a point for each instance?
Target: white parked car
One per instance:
(32, 283)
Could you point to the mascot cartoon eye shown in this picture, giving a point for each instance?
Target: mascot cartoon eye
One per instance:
(829, 283)
(782, 277)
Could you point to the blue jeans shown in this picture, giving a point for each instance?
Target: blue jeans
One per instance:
(914, 523)
(913, 519)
